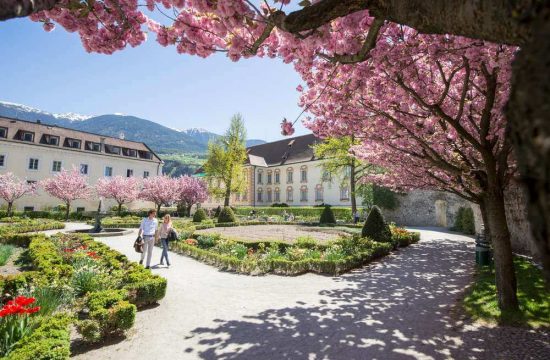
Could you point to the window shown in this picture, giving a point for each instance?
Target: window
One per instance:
(303, 193)
(277, 195)
(33, 164)
(93, 146)
(50, 140)
(145, 174)
(326, 175)
(110, 149)
(31, 182)
(289, 194)
(269, 195)
(303, 174)
(277, 177)
(108, 171)
(260, 177)
(25, 136)
(260, 197)
(72, 143)
(129, 172)
(145, 155)
(56, 166)
(129, 152)
(289, 176)
(269, 177)
(3, 132)
(318, 193)
(84, 169)
(80, 209)
(2, 160)
(28, 208)
(344, 193)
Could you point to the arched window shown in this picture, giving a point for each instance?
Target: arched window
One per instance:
(260, 195)
(289, 173)
(269, 177)
(303, 174)
(260, 173)
(303, 193)
(269, 195)
(277, 195)
(344, 193)
(289, 194)
(319, 193)
(277, 176)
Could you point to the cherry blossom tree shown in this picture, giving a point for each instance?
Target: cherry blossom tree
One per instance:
(430, 110)
(161, 190)
(67, 186)
(12, 188)
(190, 191)
(122, 189)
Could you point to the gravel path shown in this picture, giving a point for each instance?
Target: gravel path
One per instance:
(401, 307)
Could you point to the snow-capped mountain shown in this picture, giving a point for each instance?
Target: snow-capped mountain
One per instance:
(160, 138)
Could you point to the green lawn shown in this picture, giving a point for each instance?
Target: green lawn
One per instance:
(533, 296)
(5, 253)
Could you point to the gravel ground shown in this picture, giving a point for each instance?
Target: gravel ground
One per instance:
(401, 307)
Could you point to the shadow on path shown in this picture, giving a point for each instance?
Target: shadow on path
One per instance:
(398, 308)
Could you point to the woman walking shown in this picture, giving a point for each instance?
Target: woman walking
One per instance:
(148, 229)
(164, 233)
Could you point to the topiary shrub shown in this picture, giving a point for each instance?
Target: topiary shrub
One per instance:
(226, 215)
(199, 215)
(217, 212)
(468, 224)
(327, 216)
(375, 226)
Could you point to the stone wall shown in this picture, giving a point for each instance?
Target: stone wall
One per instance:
(426, 208)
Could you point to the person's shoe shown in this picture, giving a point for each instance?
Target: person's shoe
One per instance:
(147, 267)
(168, 265)
(163, 263)
(141, 262)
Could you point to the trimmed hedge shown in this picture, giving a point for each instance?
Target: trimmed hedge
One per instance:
(226, 215)
(111, 311)
(199, 215)
(20, 226)
(375, 226)
(327, 216)
(49, 341)
(341, 213)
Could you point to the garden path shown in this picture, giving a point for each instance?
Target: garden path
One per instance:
(400, 307)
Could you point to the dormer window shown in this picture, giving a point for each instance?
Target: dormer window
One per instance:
(72, 143)
(50, 140)
(3, 132)
(25, 136)
(145, 155)
(93, 146)
(111, 149)
(129, 152)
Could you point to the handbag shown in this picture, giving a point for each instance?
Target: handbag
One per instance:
(172, 235)
(138, 244)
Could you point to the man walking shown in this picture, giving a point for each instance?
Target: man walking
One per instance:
(148, 229)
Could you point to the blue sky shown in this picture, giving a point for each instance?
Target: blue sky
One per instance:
(52, 72)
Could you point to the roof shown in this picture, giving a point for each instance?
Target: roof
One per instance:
(39, 129)
(286, 151)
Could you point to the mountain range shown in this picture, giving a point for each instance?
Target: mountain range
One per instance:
(161, 139)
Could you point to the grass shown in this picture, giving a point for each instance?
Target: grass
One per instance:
(5, 253)
(533, 297)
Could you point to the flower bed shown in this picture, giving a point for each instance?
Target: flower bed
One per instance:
(19, 225)
(74, 277)
(281, 258)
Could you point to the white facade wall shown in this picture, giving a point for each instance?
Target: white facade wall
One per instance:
(17, 157)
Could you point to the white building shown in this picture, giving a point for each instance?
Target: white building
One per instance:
(35, 151)
(286, 171)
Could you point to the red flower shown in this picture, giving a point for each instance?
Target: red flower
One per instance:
(18, 306)
(33, 310)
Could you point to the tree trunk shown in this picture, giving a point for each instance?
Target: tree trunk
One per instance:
(188, 209)
(10, 206)
(493, 203)
(119, 209)
(67, 210)
(352, 189)
(227, 194)
(158, 209)
(485, 216)
(528, 114)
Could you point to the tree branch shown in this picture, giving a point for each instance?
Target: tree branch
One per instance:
(10, 9)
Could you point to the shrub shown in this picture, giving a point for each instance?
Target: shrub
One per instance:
(199, 215)
(112, 312)
(239, 251)
(217, 212)
(327, 216)
(279, 205)
(468, 224)
(143, 287)
(375, 227)
(305, 242)
(5, 253)
(51, 297)
(89, 329)
(207, 240)
(49, 341)
(226, 215)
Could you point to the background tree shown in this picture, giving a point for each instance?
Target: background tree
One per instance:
(12, 188)
(122, 189)
(226, 157)
(67, 186)
(161, 190)
(190, 191)
(340, 160)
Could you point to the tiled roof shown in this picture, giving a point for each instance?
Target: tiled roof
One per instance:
(287, 151)
(40, 129)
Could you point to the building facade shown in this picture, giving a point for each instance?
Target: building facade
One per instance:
(35, 151)
(287, 171)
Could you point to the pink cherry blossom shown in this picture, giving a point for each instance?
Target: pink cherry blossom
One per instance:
(68, 186)
(122, 189)
(161, 190)
(12, 188)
